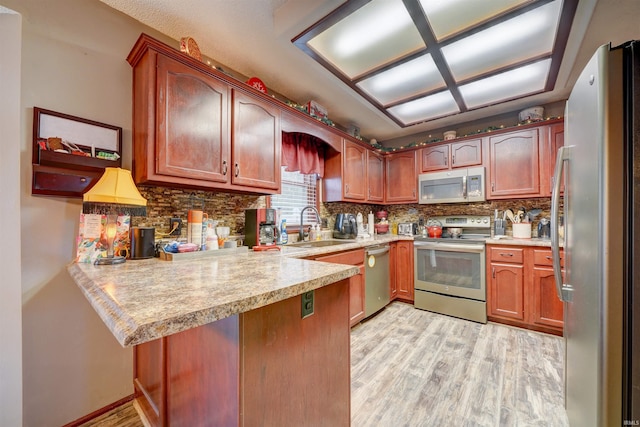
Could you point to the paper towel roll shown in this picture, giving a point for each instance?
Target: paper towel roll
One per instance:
(370, 223)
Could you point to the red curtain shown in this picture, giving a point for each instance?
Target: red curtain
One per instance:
(302, 152)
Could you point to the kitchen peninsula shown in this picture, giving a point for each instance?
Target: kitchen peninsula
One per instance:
(224, 339)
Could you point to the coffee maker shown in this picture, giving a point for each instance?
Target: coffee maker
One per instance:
(345, 227)
(260, 228)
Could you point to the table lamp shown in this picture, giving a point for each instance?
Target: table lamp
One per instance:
(115, 193)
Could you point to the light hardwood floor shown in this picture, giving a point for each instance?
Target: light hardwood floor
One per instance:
(411, 367)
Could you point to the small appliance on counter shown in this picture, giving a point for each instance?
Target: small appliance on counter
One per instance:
(407, 229)
(544, 229)
(345, 227)
(260, 228)
(143, 243)
(382, 227)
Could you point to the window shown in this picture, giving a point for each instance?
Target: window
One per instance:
(298, 191)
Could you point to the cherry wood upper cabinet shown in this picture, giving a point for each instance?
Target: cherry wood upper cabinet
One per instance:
(452, 155)
(556, 140)
(195, 127)
(514, 165)
(354, 171)
(257, 143)
(375, 177)
(192, 139)
(401, 181)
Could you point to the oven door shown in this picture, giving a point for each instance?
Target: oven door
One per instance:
(456, 269)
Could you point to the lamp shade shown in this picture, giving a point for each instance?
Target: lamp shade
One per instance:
(115, 191)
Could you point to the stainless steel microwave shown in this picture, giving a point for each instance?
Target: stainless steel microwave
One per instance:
(455, 186)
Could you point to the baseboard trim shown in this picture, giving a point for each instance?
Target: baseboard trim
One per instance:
(98, 412)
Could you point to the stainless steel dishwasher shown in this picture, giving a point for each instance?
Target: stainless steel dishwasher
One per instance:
(377, 292)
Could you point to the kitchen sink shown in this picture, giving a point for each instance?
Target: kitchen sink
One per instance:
(320, 243)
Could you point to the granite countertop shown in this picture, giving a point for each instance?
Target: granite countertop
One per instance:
(508, 240)
(143, 300)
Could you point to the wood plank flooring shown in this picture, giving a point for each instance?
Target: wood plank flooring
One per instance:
(415, 368)
(411, 367)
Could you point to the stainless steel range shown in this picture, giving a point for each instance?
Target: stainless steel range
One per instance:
(450, 271)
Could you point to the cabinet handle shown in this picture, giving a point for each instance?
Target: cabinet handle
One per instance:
(549, 257)
(493, 272)
(493, 186)
(224, 167)
(414, 192)
(83, 179)
(237, 170)
(346, 188)
(505, 254)
(453, 160)
(446, 161)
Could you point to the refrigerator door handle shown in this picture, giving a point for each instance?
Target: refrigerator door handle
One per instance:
(563, 290)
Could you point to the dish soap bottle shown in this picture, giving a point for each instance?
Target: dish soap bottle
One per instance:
(283, 232)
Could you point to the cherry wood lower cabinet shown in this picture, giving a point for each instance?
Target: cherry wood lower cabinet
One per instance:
(521, 289)
(356, 283)
(402, 271)
(264, 367)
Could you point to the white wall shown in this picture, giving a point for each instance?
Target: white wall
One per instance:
(10, 293)
(73, 61)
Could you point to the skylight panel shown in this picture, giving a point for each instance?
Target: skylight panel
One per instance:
(427, 108)
(508, 85)
(376, 34)
(412, 78)
(527, 36)
(448, 17)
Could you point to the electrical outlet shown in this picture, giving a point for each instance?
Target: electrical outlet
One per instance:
(177, 223)
(307, 304)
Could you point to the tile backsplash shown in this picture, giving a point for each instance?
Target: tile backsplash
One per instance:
(164, 203)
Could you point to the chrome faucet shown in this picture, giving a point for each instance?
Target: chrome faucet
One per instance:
(301, 232)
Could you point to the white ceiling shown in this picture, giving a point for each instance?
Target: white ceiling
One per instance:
(253, 37)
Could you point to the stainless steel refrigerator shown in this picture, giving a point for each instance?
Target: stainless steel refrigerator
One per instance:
(600, 169)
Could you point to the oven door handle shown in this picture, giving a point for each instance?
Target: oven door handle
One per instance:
(472, 248)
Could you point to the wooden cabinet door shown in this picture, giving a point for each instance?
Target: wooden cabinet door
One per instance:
(257, 143)
(506, 291)
(354, 158)
(393, 268)
(514, 164)
(435, 158)
(356, 297)
(466, 153)
(547, 308)
(356, 283)
(556, 140)
(192, 123)
(375, 177)
(404, 270)
(401, 179)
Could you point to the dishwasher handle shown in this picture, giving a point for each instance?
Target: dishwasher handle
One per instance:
(377, 250)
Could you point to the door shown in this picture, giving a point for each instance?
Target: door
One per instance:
(257, 143)
(593, 166)
(547, 308)
(192, 138)
(401, 180)
(514, 164)
(353, 172)
(375, 177)
(435, 158)
(456, 269)
(466, 153)
(506, 289)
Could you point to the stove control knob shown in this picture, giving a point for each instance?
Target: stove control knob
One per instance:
(473, 220)
(486, 220)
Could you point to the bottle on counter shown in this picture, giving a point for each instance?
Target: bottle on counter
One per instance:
(284, 238)
(211, 238)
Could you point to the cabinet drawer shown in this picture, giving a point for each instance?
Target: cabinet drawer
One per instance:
(349, 258)
(543, 257)
(505, 254)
